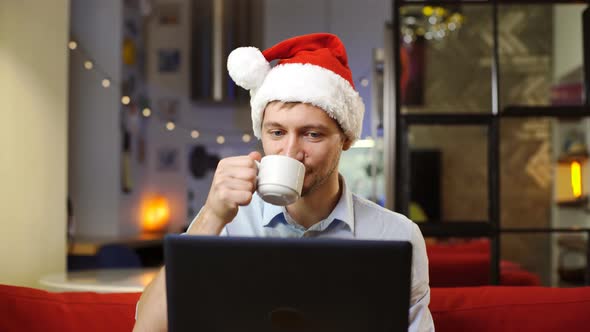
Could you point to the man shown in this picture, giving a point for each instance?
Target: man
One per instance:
(306, 108)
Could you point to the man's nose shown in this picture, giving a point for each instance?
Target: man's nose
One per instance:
(293, 148)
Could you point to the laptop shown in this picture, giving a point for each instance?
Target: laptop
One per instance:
(278, 284)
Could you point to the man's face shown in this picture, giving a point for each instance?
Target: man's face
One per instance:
(306, 133)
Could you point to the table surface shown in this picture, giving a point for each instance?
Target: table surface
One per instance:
(101, 280)
(89, 245)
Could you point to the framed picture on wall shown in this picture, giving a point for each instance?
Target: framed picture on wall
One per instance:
(167, 160)
(168, 13)
(168, 60)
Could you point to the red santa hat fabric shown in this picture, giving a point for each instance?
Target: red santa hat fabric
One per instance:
(310, 69)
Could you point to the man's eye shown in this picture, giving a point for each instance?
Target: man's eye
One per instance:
(276, 132)
(314, 135)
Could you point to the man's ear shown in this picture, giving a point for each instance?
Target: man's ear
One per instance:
(346, 144)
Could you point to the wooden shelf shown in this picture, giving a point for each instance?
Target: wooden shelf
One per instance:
(568, 158)
(578, 203)
(573, 242)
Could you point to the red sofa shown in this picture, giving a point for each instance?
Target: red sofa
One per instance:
(501, 308)
(467, 263)
(482, 309)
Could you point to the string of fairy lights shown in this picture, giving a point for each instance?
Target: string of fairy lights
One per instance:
(108, 82)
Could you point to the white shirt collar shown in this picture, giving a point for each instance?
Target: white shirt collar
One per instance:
(342, 212)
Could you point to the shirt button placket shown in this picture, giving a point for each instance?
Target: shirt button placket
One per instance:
(310, 234)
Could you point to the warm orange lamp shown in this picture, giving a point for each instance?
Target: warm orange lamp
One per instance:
(576, 179)
(569, 184)
(155, 214)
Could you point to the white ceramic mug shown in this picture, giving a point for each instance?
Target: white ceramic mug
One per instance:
(280, 179)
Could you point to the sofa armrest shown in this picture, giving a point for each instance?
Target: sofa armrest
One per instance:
(500, 308)
(28, 309)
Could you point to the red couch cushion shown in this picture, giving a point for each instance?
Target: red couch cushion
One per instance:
(467, 263)
(473, 269)
(480, 309)
(454, 270)
(28, 309)
(476, 246)
(500, 308)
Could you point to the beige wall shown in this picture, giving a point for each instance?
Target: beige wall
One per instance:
(33, 138)
(567, 35)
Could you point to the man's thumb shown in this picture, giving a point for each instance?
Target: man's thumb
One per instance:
(255, 155)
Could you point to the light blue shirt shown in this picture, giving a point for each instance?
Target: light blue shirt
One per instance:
(352, 218)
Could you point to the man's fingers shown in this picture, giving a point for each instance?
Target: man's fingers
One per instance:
(246, 174)
(241, 161)
(233, 184)
(236, 184)
(228, 176)
(234, 198)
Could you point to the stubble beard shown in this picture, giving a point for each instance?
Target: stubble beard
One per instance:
(319, 181)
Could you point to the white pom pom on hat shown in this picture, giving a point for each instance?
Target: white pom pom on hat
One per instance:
(247, 67)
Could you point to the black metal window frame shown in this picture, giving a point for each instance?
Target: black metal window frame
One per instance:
(490, 228)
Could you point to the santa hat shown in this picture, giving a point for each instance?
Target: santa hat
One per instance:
(311, 69)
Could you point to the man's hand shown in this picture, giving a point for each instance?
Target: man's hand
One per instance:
(233, 185)
(152, 310)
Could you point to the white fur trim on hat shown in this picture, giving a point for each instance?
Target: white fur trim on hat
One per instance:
(307, 83)
(247, 67)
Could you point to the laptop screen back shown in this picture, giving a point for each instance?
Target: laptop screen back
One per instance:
(272, 284)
